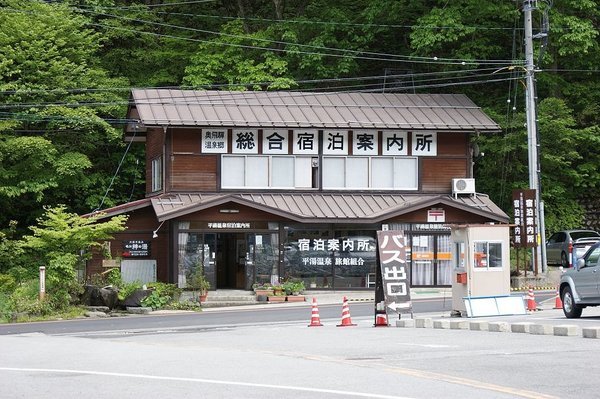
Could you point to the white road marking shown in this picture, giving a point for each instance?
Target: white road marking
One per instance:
(205, 381)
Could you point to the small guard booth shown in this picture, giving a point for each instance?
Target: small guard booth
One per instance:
(481, 285)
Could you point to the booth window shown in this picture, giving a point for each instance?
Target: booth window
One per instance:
(488, 255)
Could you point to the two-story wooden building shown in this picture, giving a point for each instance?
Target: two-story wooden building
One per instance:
(259, 186)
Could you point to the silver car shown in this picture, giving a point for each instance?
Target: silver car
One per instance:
(559, 247)
(579, 286)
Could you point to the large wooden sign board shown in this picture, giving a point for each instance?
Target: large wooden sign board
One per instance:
(392, 284)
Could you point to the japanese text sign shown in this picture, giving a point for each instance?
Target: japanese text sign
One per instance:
(524, 210)
(395, 272)
(136, 248)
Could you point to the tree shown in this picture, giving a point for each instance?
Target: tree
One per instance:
(56, 144)
(58, 241)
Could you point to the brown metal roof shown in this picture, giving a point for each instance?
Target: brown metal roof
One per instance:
(327, 208)
(346, 110)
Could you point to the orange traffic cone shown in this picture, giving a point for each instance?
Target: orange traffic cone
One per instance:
(531, 305)
(381, 320)
(346, 319)
(558, 302)
(315, 320)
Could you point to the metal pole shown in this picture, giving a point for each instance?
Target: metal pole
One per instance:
(532, 136)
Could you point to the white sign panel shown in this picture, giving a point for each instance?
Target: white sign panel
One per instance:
(214, 141)
(306, 142)
(395, 273)
(245, 141)
(394, 142)
(424, 144)
(335, 142)
(365, 142)
(436, 216)
(275, 141)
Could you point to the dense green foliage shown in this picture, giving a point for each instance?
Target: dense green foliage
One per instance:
(66, 67)
(61, 242)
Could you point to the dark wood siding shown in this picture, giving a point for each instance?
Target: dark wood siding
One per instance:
(190, 172)
(187, 140)
(437, 173)
(450, 144)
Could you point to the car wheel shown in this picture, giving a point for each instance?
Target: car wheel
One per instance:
(564, 261)
(571, 310)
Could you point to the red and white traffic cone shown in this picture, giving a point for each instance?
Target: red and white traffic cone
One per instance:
(381, 320)
(315, 320)
(531, 305)
(346, 319)
(558, 302)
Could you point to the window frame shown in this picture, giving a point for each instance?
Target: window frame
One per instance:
(487, 267)
(371, 171)
(156, 181)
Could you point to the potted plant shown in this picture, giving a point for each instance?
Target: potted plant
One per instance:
(293, 289)
(262, 291)
(278, 294)
(197, 281)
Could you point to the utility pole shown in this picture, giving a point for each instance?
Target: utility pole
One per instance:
(533, 145)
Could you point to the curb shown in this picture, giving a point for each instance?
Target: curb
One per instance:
(563, 330)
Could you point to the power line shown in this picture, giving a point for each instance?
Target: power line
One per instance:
(292, 21)
(245, 37)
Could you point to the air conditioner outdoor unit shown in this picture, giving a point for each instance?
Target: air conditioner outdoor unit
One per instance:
(463, 186)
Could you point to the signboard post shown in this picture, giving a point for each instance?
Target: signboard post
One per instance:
(392, 287)
(525, 220)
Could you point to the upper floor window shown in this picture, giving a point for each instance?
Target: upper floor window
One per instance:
(375, 173)
(157, 173)
(261, 171)
(338, 172)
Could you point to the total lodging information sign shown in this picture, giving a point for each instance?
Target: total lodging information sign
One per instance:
(395, 273)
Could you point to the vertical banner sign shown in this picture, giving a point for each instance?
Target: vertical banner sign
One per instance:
(524, 210)
(395, 274)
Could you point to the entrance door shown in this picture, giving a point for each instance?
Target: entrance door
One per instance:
(231, 260)
(431, 260)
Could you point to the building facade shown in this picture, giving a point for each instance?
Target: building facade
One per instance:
(263, 186)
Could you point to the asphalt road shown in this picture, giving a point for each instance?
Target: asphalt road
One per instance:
(223, 317)
(288, 359)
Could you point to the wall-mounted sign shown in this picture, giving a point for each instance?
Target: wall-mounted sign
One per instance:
(424, 144)
(524, 210)
(306, 141)
(214, 141)
(394, 142)
(229, 225)
(436, 215)
(245, 141)
(365, 142)
(275, 141)
(335, 142)
(136, 248)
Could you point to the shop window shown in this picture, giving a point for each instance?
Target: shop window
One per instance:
(488, 255)
(324, 259)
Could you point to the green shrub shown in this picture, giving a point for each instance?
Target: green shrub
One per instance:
(161, 295)
(127, 289)
(7, 283)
